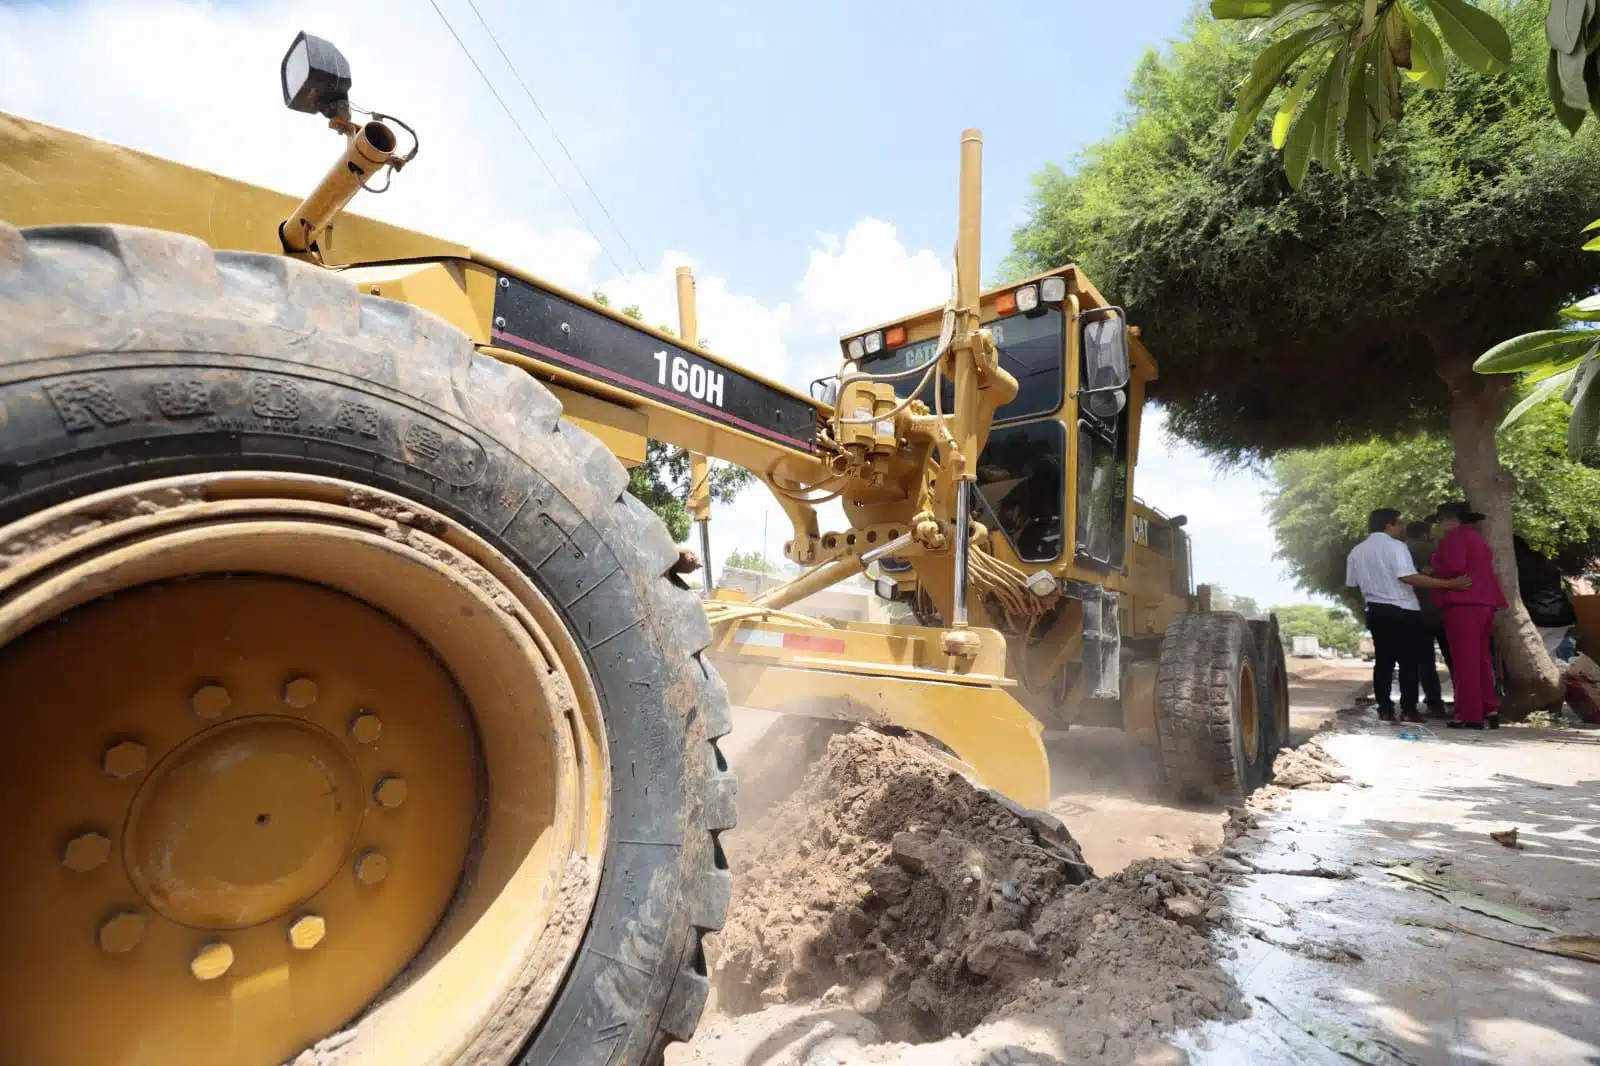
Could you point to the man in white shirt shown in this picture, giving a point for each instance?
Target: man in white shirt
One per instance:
(1382, 568)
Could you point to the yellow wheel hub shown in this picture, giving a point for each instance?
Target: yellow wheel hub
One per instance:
(243, 822)
(247, 806)
(1249, 713)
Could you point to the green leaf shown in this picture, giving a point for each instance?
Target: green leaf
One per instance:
(1585, 409)
(1291, 101)
(1585, 310)
(1333, 94)
(1243, 9)
(1358, 121)
(1563, 26)
(1533, 377)
(1569, 116)
(1369, 17)
(1543, 347)
(1389, 106)
(1547, 388)
(1593, 225)
(1473, 34)
(1291, 12)
(1427, 54)
(1570, 68)
(1592, 246)
(1297, 150)
(1264, 75)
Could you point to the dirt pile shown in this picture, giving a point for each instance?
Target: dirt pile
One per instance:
(889, 884)
(1307, 766)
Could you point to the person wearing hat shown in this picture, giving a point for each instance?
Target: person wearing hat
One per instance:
(1468, 612)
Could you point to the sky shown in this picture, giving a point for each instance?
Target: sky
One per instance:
(801, 158)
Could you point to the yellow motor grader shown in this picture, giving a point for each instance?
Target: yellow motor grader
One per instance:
(355, 711)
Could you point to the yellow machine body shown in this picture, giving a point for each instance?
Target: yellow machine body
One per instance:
(978, 677)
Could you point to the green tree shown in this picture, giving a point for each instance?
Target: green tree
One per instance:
(1334, 627)
(1321, 498)
(1342, 64)
(750, 560)
(1350, 308)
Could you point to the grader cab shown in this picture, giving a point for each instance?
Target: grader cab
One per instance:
(357, 711)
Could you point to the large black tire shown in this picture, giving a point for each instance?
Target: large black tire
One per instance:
(129, 354)
(1208, 692)
(1274, 686)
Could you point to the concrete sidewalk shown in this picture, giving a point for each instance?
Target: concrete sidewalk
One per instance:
(1332, 968)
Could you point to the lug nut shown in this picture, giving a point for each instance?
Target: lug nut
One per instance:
(209, 701)
(307, 931)
(365, 728)
(372, 867)
(211, 960)
(86, 851)
(124, 759)
(121, 932)
(300, 693)
(390, 792)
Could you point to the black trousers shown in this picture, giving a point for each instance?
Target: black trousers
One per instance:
(1428, 667)
(1397, 636)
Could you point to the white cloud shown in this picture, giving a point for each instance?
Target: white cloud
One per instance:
(870, 277)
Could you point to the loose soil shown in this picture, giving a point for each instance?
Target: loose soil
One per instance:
(891, 887)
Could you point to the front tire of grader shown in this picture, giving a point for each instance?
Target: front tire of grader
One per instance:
(353, 711)
(1209, 715)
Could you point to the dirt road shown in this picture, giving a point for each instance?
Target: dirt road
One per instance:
(1107, 788)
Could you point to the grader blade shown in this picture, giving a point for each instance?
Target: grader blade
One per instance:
(892, 677)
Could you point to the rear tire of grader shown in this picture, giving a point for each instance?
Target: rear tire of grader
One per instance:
(353, 709)
(1209, 720)
(1274, 686)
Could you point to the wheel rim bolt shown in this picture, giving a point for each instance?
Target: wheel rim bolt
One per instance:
(300, 693)
(365, 728)
(307, 931)
(209, 701)
(124, 759)
(390, 792)
(211, 960)
(121, 932)
(372, 867)
(86, 851)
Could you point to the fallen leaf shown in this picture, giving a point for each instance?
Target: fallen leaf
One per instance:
(1451, 891)
(1583, 948)
(1363, 1049)
(1506, 838)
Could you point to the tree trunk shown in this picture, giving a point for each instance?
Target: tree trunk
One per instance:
(1477, 403)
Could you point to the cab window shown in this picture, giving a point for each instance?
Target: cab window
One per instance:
(1021, 487)
(1032, 350)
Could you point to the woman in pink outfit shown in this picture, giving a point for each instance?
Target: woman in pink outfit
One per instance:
(1468, 613)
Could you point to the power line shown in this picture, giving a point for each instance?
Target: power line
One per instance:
(526, 139)
(552, 127)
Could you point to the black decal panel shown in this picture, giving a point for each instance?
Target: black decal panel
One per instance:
(545, 326)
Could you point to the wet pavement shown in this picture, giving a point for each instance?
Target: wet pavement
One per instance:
(1368, 969)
